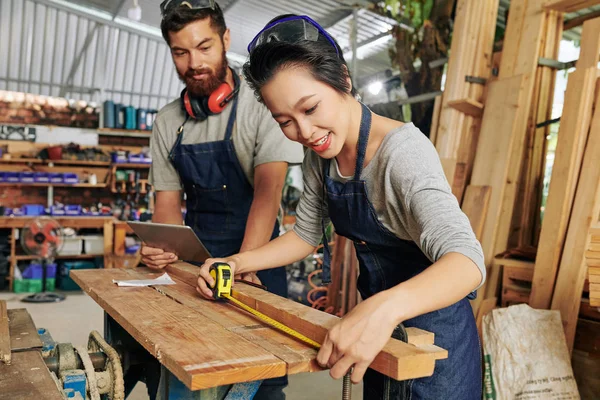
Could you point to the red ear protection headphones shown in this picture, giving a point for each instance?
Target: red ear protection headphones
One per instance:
(200, 108)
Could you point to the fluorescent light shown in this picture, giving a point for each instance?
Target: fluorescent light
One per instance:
(375, 87)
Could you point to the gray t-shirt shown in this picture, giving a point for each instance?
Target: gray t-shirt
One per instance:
(256, 136)
(410, 194)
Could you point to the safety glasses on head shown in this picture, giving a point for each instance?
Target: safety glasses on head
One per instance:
(291, 29)
(169, 5)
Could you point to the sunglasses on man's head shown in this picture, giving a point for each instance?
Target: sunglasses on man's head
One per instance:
(169, 5)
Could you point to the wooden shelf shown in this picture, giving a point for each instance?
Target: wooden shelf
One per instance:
(74, 185)
(77, 257)
(131, 165)
(55, 162)
(124, 132)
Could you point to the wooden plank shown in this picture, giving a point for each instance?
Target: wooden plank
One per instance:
(467, 106)
(437, 107)
(593, 255)
(23, 333)
(569, 6)
(587, 311)
(586, 209)
(27, 378)
(4, 334)
(491, 161)
(465, 41)
(531, 39)
(594, 247)
(512, 262)
(201, 353)
(590, 42)
(108, 236)
(526, 213)
(572, 134)
(592, 262)
(119, 243)
(398, 360)
(475, 206)
(297, 356)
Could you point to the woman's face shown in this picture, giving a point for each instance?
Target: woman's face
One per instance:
(308, 111)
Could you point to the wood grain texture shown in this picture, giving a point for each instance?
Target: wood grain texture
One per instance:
(4, 334)
(574, 127)
(27, 378)
(568, 6)
(585, 213)
(398, 360)
(76, 222)
(475, 206)
(23, 333)
(491, 167)
(201, 353)
(499, 156)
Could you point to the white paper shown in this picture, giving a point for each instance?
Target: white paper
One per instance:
(164, 279)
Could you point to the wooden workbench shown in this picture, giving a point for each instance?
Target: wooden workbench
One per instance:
(208, 344)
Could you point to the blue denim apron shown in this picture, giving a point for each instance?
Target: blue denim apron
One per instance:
(384, 262)
(218, 200)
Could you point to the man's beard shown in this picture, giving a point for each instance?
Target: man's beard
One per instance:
(208, 85)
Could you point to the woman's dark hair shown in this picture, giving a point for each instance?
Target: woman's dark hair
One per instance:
(177, 19)
(318, 56)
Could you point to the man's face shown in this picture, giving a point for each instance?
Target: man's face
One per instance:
(199, 56)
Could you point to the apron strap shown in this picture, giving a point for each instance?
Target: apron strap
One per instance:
(178, 139)
(363, 140)
(326, 274)
(231, 121)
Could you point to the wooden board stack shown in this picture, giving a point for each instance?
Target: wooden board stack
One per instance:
(508, 111)
(456, 124)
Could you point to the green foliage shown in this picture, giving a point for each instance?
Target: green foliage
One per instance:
(416, 11)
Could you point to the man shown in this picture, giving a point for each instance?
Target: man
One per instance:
(220, 146)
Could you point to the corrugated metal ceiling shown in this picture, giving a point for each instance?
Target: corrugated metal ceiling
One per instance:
(42, 43)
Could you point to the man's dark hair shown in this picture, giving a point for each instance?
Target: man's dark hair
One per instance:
(319, 57)
(177, 19)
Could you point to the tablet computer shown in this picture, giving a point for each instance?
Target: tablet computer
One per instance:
(178, 239)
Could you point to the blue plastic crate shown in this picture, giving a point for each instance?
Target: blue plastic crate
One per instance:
(33, 209)
(70, 178)
(57, 211)
(12, 176)
(41, 177)
(26, 177)
(2, 176)
(56, 177)
(73, 210)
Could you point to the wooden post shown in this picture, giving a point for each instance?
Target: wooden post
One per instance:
(108, 243)
(4, 334)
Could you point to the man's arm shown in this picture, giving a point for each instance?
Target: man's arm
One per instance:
(167, 210)
(269, 179)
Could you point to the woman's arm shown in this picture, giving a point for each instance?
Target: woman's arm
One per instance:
(284, 250)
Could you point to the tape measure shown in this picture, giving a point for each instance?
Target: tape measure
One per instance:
(221, 273)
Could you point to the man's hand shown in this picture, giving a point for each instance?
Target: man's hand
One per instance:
(156, 258)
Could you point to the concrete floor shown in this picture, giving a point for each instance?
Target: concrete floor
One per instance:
(72, 320)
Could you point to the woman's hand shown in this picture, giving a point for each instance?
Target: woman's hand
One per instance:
(205, 281)
(358, 337)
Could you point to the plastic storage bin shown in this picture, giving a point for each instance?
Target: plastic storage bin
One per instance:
(64, 280)
(56, 177)
(93, 244)
(12, 177)
(33, 209)
(72, 210)
(26, 177)
(73, 246)
(70, 178)
(41, 177)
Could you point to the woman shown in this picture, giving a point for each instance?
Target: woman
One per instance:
(381, 184)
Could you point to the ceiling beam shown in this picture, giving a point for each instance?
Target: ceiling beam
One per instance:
(577, 21)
